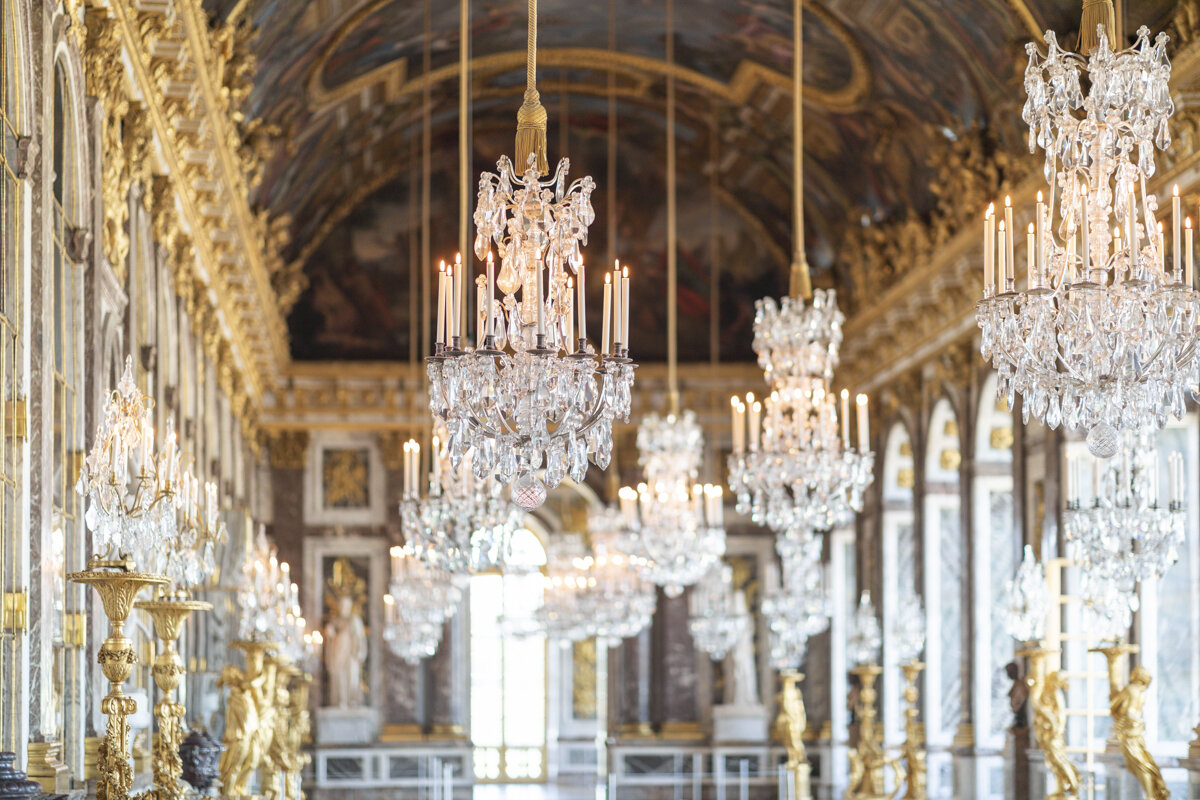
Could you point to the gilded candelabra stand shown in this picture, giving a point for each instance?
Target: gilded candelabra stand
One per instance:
(867, 760)
(1128, 720)
(249, 717)
(118, 585)
(1050, 720)
(169, 615)
(913, 751)
(298, 732)
(790, 726)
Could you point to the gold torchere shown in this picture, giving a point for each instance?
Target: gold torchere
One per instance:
(248, 721)
(299, 727)
(867, 759)
(117, 586)
(790, 726)
(1050, 721)
(169, 615)
(278, 762)
(912, 751)
(1129, 726)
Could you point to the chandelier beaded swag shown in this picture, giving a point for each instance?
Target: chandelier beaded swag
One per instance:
(531, 391)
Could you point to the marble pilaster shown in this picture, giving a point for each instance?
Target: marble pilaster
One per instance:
(674, 700)
(449, 689)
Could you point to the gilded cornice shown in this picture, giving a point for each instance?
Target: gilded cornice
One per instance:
(190, 83)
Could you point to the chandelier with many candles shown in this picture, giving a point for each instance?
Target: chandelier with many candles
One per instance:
(799, 609)
(531, 391)
(130, 487)
(717, 615)
(422, 596)
(1105, 329)
(1117, 523)
(463, 523)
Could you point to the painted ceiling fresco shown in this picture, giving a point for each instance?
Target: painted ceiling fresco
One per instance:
(887, 82)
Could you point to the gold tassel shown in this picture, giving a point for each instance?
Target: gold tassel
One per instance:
(531, 132)
(800, 284)
(1097, 12)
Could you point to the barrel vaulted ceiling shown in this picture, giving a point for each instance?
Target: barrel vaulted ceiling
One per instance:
(892, 88)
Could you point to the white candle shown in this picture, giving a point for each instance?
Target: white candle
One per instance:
(755, 429)
(1031, 246)
(416, 459)
(1009, 264)
(1001, 267)
(989, 251)
(864, 429)
(607, 309)
(568, 345)
(441, 304)
(435, 463)
(541, 305)
(846, 419)
(1175, 228)
(625, 306)
(479, 306)
(738, 422)
(460, 298)
(1040, 242)
(491, 291)
(1162, 251)
(616, 276)
(581, 300)
(1189, 274)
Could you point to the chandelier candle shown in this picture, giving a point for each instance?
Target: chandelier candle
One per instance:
(1105, 333)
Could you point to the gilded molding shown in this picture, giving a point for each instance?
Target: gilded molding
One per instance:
(288, 449)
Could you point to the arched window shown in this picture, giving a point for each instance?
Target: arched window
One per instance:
(944, 569)
(899, 564)
(508, 672)
(996, 553)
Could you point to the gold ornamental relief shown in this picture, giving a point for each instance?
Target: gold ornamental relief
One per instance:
(344, 475)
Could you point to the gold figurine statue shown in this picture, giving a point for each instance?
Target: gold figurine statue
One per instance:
(242, 740)
(867, 759)
(790, 725)
(1049, 725)
(1130, 730)
(298, 732)
(914, 735)
(278, 758)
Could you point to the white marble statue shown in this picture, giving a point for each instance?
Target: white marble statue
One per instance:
(739, 664)
(345, 652)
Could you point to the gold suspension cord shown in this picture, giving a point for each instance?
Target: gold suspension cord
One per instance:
(531, 117)
(714, 284)
(1097, 12)
(800, 284)
(464, 127)
(611, 198)
(426, 180)
(672, 277)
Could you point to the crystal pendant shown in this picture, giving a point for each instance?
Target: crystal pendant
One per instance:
(529, 492)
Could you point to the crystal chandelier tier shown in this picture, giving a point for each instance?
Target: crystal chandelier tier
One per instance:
(799, 609)
(1117, 525)
(421, 598)
(1105, 330)
(624, 601)
(866, 638)
(130, 488)
(568, 595)
(680, 532)
(717, 615)
(191, 556)
(464, 522)
(266, 595)
(532, 391)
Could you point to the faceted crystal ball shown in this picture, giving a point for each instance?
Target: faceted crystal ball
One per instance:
(529, 492)
(1103, 441)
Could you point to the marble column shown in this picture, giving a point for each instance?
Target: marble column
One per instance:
(675, 704)
(449, 683)
(629, 687)
(289, 453)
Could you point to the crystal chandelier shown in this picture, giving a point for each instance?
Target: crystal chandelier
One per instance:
(718, 614)
(1028, 598)
(567, 594)
(680, 533)
(623, 602)
(192, 555)
(793, 467)
(421, 597)
(790, 470)
(1117, 526)
(865, 638)
(129, 488)
(1105, 330)
(532, 392)
(908, 629)
(464, 523)
(266, 595)
(798, 610)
